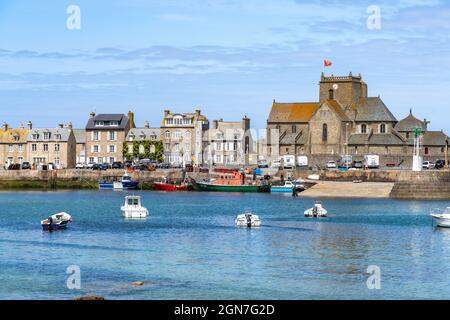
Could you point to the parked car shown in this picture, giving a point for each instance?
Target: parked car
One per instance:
(331, 165)
(14, 166)
(117, 165)
(263, 164)
(97, 166)
(276, 163)
(189, 168)
(358, 164)
(440, 164)
(80, 166)
(427, 165)
(89, 165)
(128, 164)
(163, 165)
(105, 166)
(26, 166)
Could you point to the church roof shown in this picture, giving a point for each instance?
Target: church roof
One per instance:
(410, 123)
(375, 139)
(292, 112)
(372, 109)
(295, 138)
(435, 138)
(336, 107)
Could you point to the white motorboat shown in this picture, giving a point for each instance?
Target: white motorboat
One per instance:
(317, 211)
(248, 220)
(442, 219)
(56, 222)
(133, 208)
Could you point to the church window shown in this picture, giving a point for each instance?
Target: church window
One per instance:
(331, 94)
(294, 129)
(324, 132)
(363, 128)
(383, 128)
(427, 151)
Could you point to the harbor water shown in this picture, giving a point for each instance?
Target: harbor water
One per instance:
(189, 248)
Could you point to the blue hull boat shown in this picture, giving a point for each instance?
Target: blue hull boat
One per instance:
(124, 184)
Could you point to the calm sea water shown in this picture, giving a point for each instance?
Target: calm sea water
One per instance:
(189, 248)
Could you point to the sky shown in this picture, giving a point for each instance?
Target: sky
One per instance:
(229, 58)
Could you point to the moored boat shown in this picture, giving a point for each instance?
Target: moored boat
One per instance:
(442, 219)
(248, 220)
(133, 209)
(317, 211)
(230, 182)
(125, 183)
(164, 185)
(56, 222)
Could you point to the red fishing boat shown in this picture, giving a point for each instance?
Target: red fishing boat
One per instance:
(170, 187)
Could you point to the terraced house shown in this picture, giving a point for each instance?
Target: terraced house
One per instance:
(346, 120)
(13, 145)
(185, 137)
(138, 137)
(105, 135)
(52, 145)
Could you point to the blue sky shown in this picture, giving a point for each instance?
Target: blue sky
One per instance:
(226, 57)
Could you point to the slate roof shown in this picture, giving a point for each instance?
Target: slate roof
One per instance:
(435, 138)
(144, 133)
(80, 135)
(410, 123)
(292, 112)
(295, 138)
(372, 109)
(121, 118)
(64, 132)
(375, 139)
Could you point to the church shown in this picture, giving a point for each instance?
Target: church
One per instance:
(346, 120)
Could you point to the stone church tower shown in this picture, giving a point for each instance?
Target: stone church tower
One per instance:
(346, 90)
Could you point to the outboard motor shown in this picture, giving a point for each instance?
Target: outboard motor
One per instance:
(249, 220)
(315, 211)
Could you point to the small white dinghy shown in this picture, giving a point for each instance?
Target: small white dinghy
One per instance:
(133, 209)
(56, 222)
(317, 211)
(248, 220)
(442, 219)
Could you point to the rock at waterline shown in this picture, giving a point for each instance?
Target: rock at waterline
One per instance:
(90, 298)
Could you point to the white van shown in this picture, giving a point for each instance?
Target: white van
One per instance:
(289, 162)
(302, 161)
(372, 161)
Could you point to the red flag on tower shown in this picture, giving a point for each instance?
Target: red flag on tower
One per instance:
(327, 63)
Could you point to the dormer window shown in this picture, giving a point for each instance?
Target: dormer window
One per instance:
(114, 123)
(169, 121)
(131, 137)
(142, 136)
(58, 136)
(46, 135)
(16, 138)
(99, 123)
(35, 136)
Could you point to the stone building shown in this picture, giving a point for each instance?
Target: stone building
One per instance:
(52, 145)
(80, 139)
(185, 137)
(141, 135)
(346, 120)
(230, 142)
(105, 135)
(13, 145)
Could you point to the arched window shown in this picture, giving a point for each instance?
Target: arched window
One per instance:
(427, 151)
(324, 132)
(294, 128)
(382, 128)
(331, 94)
(363, 128)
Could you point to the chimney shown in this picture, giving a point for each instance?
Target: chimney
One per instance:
(215, 124)
(69, 125)
(21, 125)
(246, 122)
(198, 112)
(92, 114)
(61, 125)
(5, 126)
(131, 119)
(146, 125)
(166, 112)
(30, 125)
